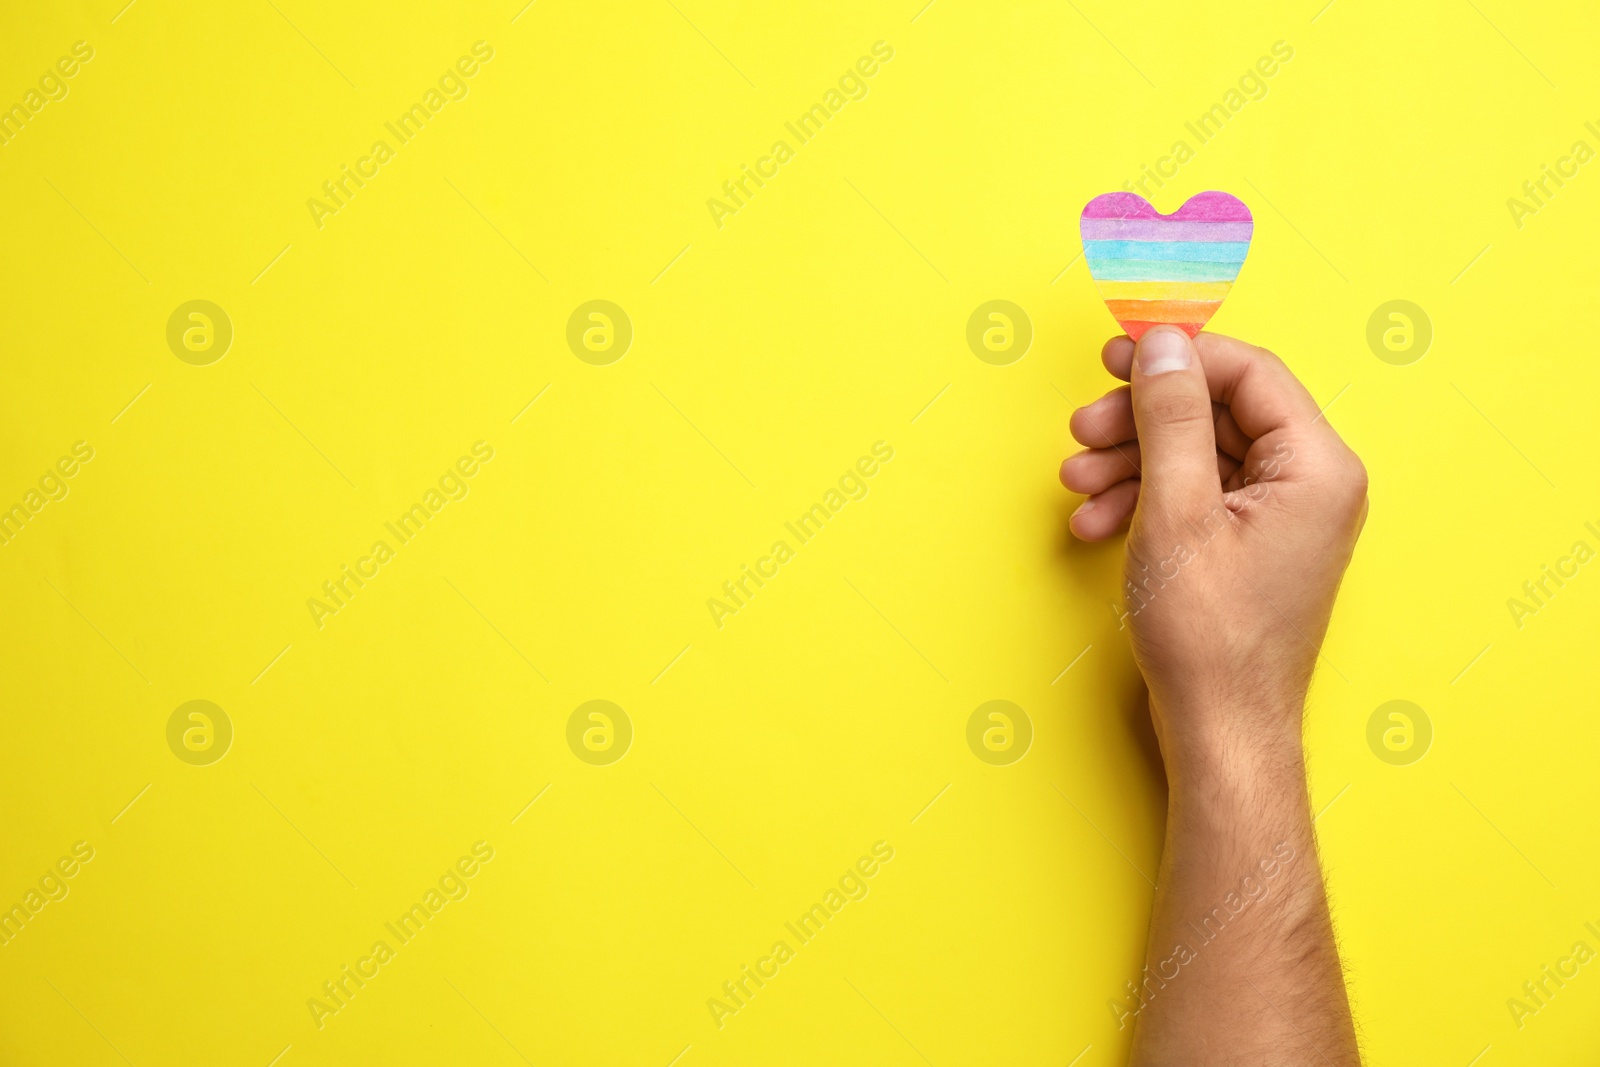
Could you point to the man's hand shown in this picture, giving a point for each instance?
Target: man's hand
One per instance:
(1245, 507)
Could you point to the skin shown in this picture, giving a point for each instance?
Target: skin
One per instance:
(1242, 507)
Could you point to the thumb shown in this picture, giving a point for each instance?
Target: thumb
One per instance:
(1172, 411)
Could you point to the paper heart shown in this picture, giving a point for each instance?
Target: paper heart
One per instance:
(1152, 268)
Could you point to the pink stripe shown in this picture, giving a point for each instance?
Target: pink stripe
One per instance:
(1163, 230)
(1202, 207)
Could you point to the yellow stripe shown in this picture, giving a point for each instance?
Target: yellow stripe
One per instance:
(1164, 290)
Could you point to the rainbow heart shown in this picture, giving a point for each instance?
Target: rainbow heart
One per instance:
(1152, 268)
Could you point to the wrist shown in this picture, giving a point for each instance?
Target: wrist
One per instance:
(1225, 755)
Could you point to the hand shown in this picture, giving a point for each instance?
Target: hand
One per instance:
(1245, 509)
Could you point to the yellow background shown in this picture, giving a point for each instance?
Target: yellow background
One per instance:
(768, 355)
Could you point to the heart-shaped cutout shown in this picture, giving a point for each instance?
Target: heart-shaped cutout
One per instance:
(1153, 269)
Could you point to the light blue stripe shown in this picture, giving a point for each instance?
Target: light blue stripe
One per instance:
(1137, 270)
(1189, 251)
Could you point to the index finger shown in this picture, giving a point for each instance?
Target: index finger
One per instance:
(1259, 389)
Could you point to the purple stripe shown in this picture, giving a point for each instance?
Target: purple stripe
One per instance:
(1158, 230)
(1202, 207)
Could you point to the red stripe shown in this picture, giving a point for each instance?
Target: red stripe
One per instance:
(1137, 329)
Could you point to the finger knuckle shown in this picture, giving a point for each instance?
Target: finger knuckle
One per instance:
(1347, 480)
(1355, 478)
(1358, 473)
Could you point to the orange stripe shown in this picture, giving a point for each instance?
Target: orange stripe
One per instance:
(1173, 311)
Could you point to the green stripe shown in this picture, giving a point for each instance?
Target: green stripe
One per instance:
(1187, 251)
(1143, 270)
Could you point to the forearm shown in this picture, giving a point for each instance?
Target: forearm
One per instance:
(1241, 966)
